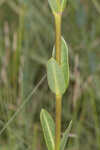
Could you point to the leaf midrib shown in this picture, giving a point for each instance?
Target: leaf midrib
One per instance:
(52, 141)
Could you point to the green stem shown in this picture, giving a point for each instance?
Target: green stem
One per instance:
(58, 121)
(58, 97)
(58, 37)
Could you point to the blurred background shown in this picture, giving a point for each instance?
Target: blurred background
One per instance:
(26, 40)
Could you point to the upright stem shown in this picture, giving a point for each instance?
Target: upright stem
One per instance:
(58, 37)
(58, 121)
(58, 97)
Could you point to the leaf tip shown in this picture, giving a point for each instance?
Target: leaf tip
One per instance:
(70, 125)
(41, 113)
(71, 122)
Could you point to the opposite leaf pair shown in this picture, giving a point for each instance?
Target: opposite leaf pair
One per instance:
(58, 75)
(49, 131)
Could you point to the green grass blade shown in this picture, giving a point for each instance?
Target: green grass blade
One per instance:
(65, 137)
(48, 129)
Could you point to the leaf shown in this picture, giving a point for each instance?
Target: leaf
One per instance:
(54, 53)
(57, 6)
(53, 5)
(48, 129)
(63, 5)
(55, 77)
(65, 137)
(64, 61)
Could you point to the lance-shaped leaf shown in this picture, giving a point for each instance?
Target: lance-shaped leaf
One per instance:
(48, 129)
(55, 77)
(65, 137)
(64, 60)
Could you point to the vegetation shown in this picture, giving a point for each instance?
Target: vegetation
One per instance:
(26, 38)
(58, 79)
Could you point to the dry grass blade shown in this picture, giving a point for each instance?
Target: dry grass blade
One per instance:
(22, 105)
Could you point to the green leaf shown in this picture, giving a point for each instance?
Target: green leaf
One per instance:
(48, 129)
(54, 53)
(64, 61)
(53, 5)
(57, 6)
(65, 137)
(63, 5)
(55, 77)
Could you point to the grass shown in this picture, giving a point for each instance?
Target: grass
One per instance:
(81, 29)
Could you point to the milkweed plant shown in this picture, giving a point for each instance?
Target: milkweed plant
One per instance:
(58, 80)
